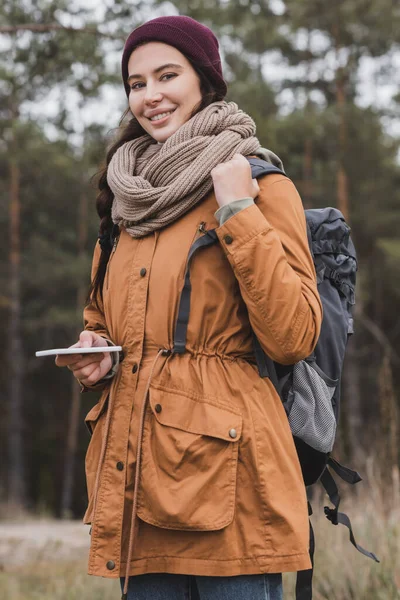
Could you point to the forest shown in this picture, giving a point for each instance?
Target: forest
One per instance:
(322, 82)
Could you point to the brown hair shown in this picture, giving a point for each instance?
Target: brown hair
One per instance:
(105, 196)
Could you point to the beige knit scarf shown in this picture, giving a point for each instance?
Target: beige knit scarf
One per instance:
(155, 184)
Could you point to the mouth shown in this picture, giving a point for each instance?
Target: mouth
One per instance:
(163, 119)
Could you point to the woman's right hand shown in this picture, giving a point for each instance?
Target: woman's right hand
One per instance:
(87, 368)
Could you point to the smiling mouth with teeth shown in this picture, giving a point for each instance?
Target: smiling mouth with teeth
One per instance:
(161, 116)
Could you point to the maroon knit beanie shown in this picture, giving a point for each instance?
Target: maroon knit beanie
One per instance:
(193, 39)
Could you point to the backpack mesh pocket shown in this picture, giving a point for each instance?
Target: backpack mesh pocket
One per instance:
(309, 406)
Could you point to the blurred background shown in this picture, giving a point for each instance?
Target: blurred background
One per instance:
(322, 81)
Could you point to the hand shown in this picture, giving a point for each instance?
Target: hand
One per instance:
(232, 180)
(87, 368)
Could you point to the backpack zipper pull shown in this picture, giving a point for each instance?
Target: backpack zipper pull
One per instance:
(202, 227)
(115, 245)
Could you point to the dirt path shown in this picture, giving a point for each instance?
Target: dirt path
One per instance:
(42, 540)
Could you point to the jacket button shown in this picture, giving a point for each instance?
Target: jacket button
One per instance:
(120, 466)
(228, 239)
(158, 408)
(233, 433)
(110, 565)
(143, 272)
(134, 367)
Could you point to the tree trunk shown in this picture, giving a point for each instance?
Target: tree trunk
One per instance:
(73, 427)
(16, 495)
(308, 142)
(351, 404)
(307, 174)
(342, 182)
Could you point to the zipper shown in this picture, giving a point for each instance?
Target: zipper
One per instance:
(202, 227)
(115, 244)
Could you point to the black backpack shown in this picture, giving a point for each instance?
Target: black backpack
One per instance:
(309, 389)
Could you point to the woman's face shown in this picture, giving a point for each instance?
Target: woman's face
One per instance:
(161, 80)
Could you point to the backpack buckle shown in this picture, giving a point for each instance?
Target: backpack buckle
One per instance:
(335, 277)
(331, 514)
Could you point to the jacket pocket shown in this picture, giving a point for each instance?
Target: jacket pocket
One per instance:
(189, 462)
(309, 406)
(96, 411)
(94, 420)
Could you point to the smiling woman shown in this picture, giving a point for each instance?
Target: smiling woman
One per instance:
(193, 479)
(159, 99)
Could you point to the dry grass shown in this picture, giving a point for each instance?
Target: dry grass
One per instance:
(341, 573)
(56, 581)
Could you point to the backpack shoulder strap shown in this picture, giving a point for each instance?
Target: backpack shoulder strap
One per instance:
(262, 167)
(258, 167)
(184, 304)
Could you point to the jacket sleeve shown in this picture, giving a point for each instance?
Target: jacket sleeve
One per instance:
(267, 247)
(94, 320)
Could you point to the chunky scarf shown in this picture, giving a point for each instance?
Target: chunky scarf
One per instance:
(155, 184)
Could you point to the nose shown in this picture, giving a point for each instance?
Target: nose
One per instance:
(152, 93)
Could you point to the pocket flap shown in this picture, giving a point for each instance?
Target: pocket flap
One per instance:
(95, 412)
(175, 409)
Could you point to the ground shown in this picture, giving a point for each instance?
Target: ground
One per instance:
(44, 540)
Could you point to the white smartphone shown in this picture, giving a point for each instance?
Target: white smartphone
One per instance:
(75, 350)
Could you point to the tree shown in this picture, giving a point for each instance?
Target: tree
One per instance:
(47, 47)
(31, 65)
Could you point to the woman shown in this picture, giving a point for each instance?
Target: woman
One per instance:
(192, 472)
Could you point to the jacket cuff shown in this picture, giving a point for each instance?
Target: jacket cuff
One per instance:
(241, 228)
(229, 210)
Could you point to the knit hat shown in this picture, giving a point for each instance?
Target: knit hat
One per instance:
(193, 39)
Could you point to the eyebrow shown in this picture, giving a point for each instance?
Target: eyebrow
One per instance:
(166, 66)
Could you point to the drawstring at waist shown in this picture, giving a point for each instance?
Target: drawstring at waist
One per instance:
(132, 531)
(164, 352)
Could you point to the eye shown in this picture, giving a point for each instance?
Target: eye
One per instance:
(169, 75)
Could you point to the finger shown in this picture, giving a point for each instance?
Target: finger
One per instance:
(256, 188)
(106, 363)
(64, 360)
(82, 368)
(86, 339)
(82, 373)
(95, 370)
(242, 159)
(76, 345)
(89, 374)
(89, 359)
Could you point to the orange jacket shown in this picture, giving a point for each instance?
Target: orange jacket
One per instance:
(219, 489)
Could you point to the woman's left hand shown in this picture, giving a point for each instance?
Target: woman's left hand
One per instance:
(232, 180)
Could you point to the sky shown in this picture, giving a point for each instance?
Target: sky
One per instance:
(373, 90)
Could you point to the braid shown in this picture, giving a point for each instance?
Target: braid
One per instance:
(108, 231)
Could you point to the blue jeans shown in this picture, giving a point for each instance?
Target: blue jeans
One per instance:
(163, 586)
